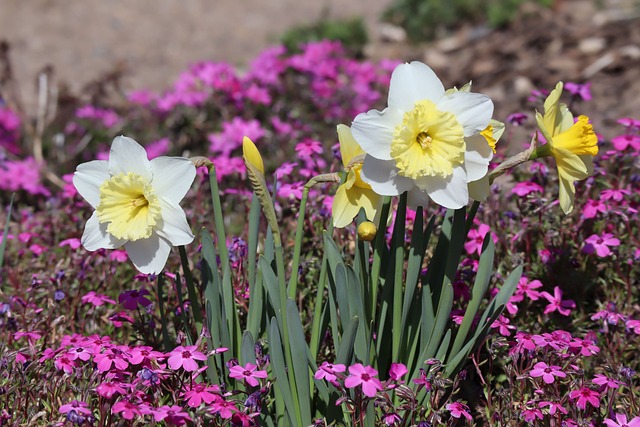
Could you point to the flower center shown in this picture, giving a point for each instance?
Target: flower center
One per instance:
(428, 142)
(129, 206)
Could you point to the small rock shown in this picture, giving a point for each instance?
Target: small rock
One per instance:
(523, 86)
(630, 51)
(592, 45)
(392, 33)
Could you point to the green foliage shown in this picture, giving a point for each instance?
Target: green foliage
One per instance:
(426, 19)
(351, 33)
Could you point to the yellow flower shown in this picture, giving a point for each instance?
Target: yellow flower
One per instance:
(251, 154)
(367, 231)
(573, 145)
(354, 193)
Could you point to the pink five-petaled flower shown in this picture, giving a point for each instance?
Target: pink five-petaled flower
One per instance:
(621, 421)
(605, 382)
(128, 409)
(172, 415)
(585, 395)
(248, 373)
(556, 303)
(458, 410)
(622, 142)
(397, 371)
(198, 393)
(548, 373)
(107, 389)
(363, 375)
(328, 371)
(476, 238)
(185, 358)
(600, 244)
(224, 408)
(96, 299)
(75, 405)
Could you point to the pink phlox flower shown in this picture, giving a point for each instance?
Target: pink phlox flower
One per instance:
(621, 421)
(458, 410)
(397, 371)
(476, 238)
(185, 358)
(584, 347)
(285, 169)
(609, 315)
(73, 243)
(75, 405)
(502, 323)
(200, 392)
(30, 336)
(24, 175)
(585, 395)
(48, 354)
(158, 148)
(391, 419)
(172, 415)
(633, 325)
(224, 408)
(65, 362)
(37, 249)
(548, 373)
(248, 373)
(226, 166)
(144, 354)
(309, 148)
(128, 409)
(525, 341)
(107, 389)
(364, 376)
(328, 371)
(617, 195)
(96, 299)
(291, 191)
(630, 123)
(547, 340)
(72, 340)
(517, 119)
(622, 142)
(233, 133)
(600, 244)
(531, 414)
(592, 207)
(257, 94)
(82, 352)
(605, 382)
(528, 288)
(582, 91)
(118, 255)
(553, 407)
(556, 303)
(134, 298)
(525, 188)
(111, 356)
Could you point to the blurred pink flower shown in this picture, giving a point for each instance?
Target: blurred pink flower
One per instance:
(622, 142)
(525, 188)
(96, 299)
(582, 91)
(397, 371)
(458, 410)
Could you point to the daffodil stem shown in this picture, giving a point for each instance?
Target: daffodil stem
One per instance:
(531, 153)
(471, 215)
(218, 219)
(166, 341)
(193, 295)
(378, 252)
(317, 309)
(398, 244)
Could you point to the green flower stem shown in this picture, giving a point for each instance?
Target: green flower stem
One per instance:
(293, 280)
(531, 153)
(166, 341)
(398, 237)
(317, 309)
(471, 215)
(193, 295)
(378, 252)
(218, 220)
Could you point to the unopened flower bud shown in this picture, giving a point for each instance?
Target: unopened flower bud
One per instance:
(367, 231)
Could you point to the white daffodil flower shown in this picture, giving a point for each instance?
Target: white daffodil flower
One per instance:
(421, 142)
(136, 203)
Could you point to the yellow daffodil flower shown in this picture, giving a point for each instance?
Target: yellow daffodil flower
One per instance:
(573, 145)
(354, 193)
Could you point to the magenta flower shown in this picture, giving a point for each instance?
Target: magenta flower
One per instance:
(224, 408)
(548, 373)
(75, 405)
(72, 243)
(517, 119)
(553, 407)
(364, 376)
(582, 91)
(397, 371)
(111, 356)
(528, 288)
(328, 371)
(585, 395)
(476, 237)
(600, 244)
(30, 336)
(309, 148)
(621, 421)
(96, 299)
(199, 392)
(525, 188)
(556, 303)
(605, 382)
(615, 194)
(585, 347)
(248, 373)
(503, 326)
(144, 354)
(132, 299)
(172, 415)
(107, 389)
(458, 410)
(622, 142)
(185, 358)
(531, 414)
(127, 409)
(592, 207)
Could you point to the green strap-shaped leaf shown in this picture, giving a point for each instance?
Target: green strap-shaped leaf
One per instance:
(279, 369)
(248, 349)
(345, 350)
(299, 351)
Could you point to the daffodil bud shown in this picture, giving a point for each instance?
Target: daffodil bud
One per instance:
(367, 231)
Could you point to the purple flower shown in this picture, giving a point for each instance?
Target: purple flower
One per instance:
(131, 299)
(517, 119)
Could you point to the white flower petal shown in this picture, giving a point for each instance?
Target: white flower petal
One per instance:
(411, 83)
(149, 255)
(95, 236)
(175, 227)
(473, 110)
(479, 190)
(172, 177)
(477, 157)
(128, 156)
(452, 192)
(89, 177)
(382, 176)
(373, 131)
(416, 197)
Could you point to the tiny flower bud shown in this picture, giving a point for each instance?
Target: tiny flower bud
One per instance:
(367, 231)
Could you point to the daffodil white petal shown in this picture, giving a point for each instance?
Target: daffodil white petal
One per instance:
(477, 157)
(411, 83)
(479, 190)
(450, 192)
(89, 177)
(128, 156)
(472, 110)
(416, 197)
(383, 177)
(149, 255)
(95, 236)
(373, 131)
(175, 177)
(175, 227)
